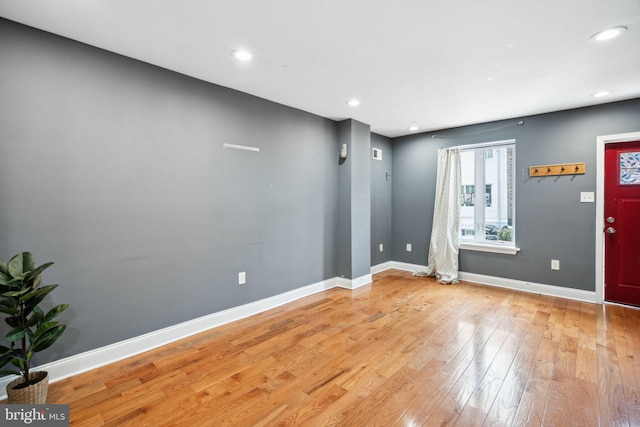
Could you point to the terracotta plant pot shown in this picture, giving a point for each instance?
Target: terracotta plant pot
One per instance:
(35, 394)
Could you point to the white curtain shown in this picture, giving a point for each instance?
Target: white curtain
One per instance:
(444, 245)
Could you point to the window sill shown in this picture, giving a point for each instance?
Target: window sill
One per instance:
(509, 250)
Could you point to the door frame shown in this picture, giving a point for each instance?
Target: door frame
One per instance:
(601, 141)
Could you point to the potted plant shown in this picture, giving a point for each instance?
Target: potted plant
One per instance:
(30, 329)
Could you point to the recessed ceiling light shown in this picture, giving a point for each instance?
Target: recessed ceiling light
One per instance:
(601, 94)
(609, 33)
(413, 128)
(242, 55)
(353, 102)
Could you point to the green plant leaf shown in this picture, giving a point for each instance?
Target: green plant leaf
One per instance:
(33, 298)
(10, 356)
(37, 271)
(17, 293)
(34, 319)
(18, 363)
(9, 310)
(13, 283)
(10, 372)
(28, 261)
(13, 321)
(8, 302)
(5, 277)
(54, 312)
(15, 265)
(31, 336)
(43, 328)
(48, 338)
(37, 309)
(15, 334)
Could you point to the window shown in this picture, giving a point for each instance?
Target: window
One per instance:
(629, 168)
(490, 167)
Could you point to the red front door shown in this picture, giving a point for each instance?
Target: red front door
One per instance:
(622, 223)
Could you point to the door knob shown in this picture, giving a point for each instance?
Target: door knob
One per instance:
(611, 230)
(611, 220)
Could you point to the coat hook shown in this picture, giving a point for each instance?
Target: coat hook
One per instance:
(562, 169)
(577, 168)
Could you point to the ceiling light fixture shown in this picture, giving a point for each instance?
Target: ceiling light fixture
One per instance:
(353, 103)
(601, 94)
(413, 128)
(609, 33)
(242, 55)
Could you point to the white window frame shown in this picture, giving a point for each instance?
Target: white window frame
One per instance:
(485, 245)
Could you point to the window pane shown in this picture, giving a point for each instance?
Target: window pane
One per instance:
(629, 168)
(498, 209)
(468, 196)
(487, 194)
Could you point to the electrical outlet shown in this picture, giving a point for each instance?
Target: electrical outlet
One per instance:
(242, 278)
(555, 264)
(408, 247)
(381, 247)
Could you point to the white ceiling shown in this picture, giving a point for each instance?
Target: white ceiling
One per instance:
(436, 64)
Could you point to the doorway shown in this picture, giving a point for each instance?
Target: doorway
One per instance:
(604, 239)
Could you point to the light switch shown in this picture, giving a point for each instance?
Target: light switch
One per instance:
(587, 197)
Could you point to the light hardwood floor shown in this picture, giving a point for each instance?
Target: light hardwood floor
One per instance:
(405, 351)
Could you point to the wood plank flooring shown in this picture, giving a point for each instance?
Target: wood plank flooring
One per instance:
(405, 351)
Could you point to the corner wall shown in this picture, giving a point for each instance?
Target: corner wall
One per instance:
(381, 182)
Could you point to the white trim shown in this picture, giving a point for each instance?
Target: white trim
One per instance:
(367, 279)
(341, 282)
(355, 283)
(487, 247)
(600, 143)
(382, 267)
(519, 285)
(536, 288)
(405, 266)
(79, 363)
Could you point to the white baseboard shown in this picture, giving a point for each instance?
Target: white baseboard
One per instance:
(537, 288)
(382, 267)
(407, 267)
(77, 364)
(355, 283)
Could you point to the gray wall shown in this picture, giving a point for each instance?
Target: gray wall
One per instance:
(115, 170)
(343, 229)
(551, 223)
(360, 199)
(354, 181)
(381, 201)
